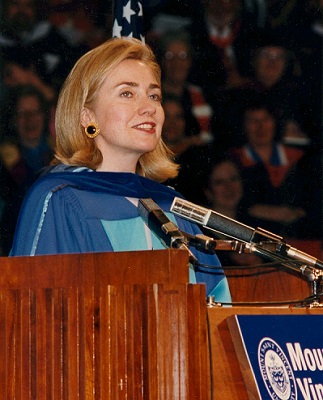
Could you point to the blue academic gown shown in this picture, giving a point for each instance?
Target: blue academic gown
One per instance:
(76, 210)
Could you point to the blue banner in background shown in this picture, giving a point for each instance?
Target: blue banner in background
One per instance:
(285, 353)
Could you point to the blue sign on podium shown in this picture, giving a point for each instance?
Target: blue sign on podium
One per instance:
(283, 353)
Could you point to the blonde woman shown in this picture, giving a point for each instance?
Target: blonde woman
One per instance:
(109, 154)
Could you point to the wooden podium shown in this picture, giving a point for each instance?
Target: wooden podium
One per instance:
(102, 326)
(231, 378)
(126, 325)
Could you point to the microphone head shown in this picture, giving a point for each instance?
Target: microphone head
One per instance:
(212, 220)
(190, 211)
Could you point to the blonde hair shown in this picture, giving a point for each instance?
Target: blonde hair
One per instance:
(80, 90)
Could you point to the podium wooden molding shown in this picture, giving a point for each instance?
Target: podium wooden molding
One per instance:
(273, 284)
(109, 326)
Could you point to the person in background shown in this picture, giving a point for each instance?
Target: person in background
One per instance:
(77, 21)
(178, 134)
(179, 131)
(33, 51)
(223, 39)
(25, 149)
(176, 62)
(109, 154)
(29, 122)
(276, 82)
(272, 186)
(224, 193)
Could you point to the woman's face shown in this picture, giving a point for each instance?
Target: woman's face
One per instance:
(225, 186)
(174, 126)
(129, 114)
(177, 62)
(30, 120)
(271, 64)
(260, 127)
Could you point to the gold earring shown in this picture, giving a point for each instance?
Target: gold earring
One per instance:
(92, 130)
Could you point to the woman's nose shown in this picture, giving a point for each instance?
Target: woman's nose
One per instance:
(147, 107)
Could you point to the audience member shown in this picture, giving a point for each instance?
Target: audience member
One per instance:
(24, 151)
(275, 83)
(32, 49)
(29, 122)
(176, 62)
(224, 193)
(77, 21)
(223, 40)
(272, 188)
(177, 135)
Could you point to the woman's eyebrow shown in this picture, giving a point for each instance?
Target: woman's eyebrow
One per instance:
(135, 84)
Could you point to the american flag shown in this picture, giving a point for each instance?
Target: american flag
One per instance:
(128, 19)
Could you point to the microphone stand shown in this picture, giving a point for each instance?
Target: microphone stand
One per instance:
(274, 250)
(313, 274)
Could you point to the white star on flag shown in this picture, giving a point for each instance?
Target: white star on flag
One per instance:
(128, 12)
(128, 19)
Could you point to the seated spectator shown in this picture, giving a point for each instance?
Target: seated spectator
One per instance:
(33, 51)
(29, 122)
(272, 187)
(276, 83)
(179, 132)
(223, 37)
(176, 61)
(24, 152)
(224, 193)
(76, 21)
(178, 135)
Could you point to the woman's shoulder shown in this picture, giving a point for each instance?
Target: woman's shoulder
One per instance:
(63, 168)
(119, 183)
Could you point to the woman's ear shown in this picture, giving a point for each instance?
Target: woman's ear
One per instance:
(86, 116)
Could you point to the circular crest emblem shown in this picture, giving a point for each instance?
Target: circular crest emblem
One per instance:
(276, 371)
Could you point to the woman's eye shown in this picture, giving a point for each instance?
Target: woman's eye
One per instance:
(155, 97)
(126, 94)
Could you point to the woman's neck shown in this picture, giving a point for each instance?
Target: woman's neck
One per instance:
(264, 152)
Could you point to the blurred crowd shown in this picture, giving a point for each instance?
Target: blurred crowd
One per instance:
(242, 92)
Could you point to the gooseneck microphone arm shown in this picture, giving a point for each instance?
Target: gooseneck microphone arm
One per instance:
(257, 240)
(171, 236)
(167, 232)
(246, 238)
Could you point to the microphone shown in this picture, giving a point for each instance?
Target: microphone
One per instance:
(220, 223)
(158, 222)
